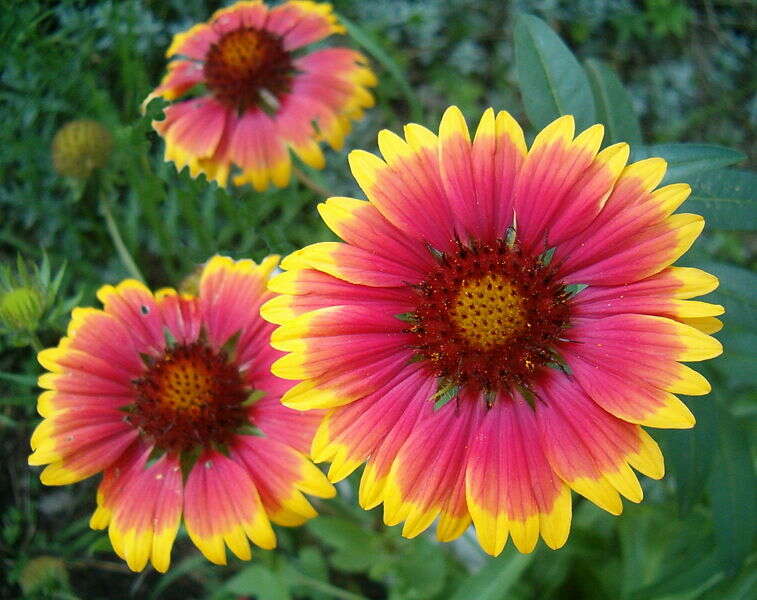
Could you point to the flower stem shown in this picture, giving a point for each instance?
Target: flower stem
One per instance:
(305, 180)
(118, 242)
(34, 342)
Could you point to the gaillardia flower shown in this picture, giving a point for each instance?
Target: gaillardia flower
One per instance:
(172, 398)
(496, 327)
(257, 93)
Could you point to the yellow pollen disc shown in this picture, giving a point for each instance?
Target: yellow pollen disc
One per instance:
(242, 50)
(186, 386)
(488, 311)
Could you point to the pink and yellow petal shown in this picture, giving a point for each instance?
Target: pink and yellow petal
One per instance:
(145, 517)
(351, 264)
(255, 146)
(181, 315)
(629, 398)
(407, 188)
(193, 43)
(360, 224)
(643, 255)
(76, 451)
(182, 76)
(192, 130)
(425, 471)
(497, 153)
(106, 335)
(247, 13)
(663, 294)
(510, 486)
(280, 475)
(302, 22)
(554, 164)
(588, 194)
(135, 306)
(282, 424)
(348, 435)
(230, 293)
(222, 508)
(590, 449)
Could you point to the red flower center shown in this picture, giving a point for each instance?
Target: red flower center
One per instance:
(191, 396)
(248, 67)
(488, 317)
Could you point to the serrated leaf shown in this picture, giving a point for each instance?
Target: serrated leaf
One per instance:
(614, 105)
(727, 199)
(733, 495)
(551, 80)
(495, 579)
(259, 581)
(687, 160)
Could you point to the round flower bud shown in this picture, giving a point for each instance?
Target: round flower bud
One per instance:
(81, 146)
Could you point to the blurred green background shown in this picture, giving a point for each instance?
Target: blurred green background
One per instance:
(689, 73)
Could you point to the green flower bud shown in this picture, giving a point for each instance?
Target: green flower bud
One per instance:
(81, 146)
(43, 573)
(21, 308)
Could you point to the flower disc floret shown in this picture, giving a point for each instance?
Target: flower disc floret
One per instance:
(248, 67)
(191, 396)
(489, 317)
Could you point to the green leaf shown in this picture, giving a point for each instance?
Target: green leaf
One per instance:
(373, 47)
(686, 160)
(689, 454)
(355, 547)
(259, 581)
(693, 572)
(614, 104)
(727, 199)
(737, 361)
(733, 494)
(551, 80)
(421, 570)
(494, 580)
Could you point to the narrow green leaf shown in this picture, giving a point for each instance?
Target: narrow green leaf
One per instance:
(550, 78)
(727, 199)
(690, 453)
(495, 579)
(373, 47)
(686, 160)
(614, 104)
(733, 493)
(259, 581)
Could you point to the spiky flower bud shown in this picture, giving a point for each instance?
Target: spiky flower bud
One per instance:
(21, 308)
(81, 146)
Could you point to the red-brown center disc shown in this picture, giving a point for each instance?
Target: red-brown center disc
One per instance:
(488, 317)
(248, 67)
(192, 396)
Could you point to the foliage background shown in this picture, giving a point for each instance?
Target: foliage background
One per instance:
(688, 70)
